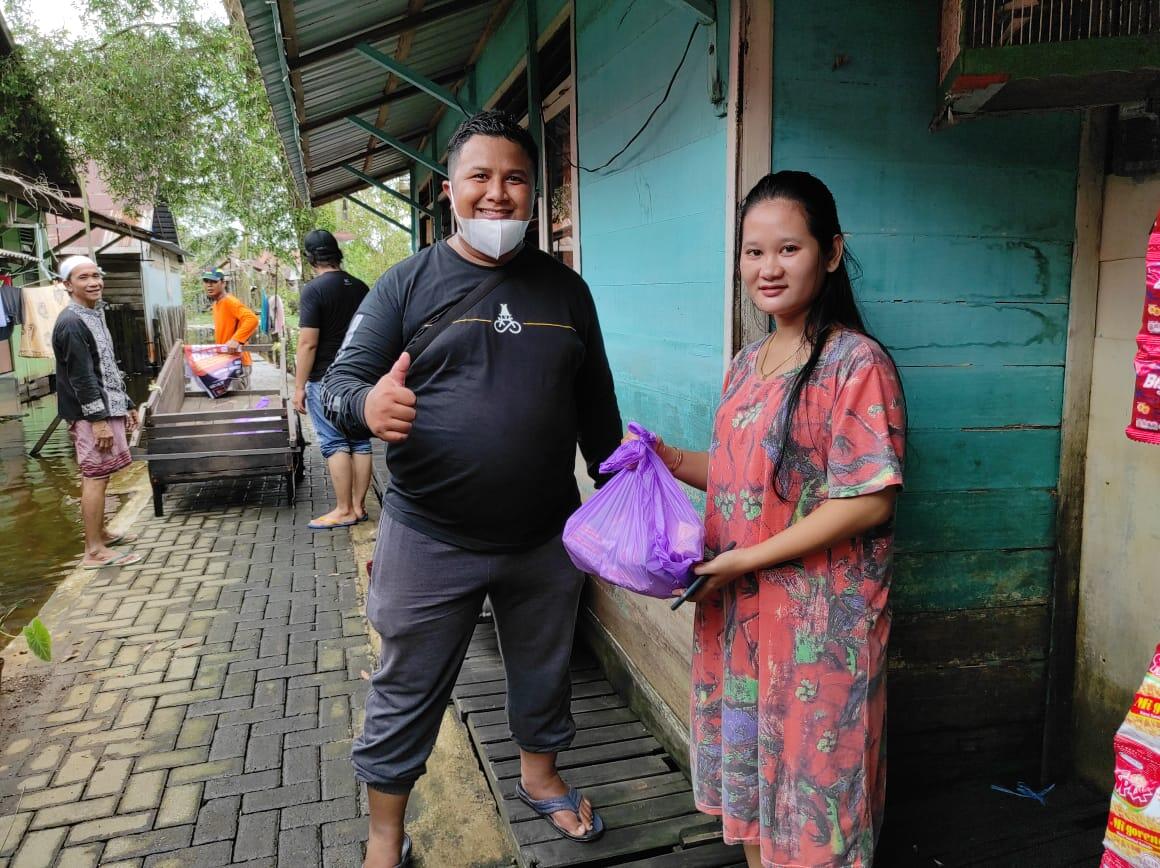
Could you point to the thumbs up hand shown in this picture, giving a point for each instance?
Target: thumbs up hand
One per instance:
(390, 406)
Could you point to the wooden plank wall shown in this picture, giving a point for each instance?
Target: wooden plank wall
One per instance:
(965, 238)
(126, 313)
(652, 232)
(653, 225)
(123, 280)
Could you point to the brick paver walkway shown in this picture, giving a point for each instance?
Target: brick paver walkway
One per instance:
(199, 711)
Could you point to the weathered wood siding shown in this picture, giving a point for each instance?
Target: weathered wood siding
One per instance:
(965, 238)
(126, 315)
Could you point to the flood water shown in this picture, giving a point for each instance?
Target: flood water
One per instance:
(41, 535)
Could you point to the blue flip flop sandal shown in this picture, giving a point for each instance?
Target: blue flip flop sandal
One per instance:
(568, 802)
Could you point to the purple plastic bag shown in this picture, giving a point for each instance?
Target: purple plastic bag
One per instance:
(639, 531)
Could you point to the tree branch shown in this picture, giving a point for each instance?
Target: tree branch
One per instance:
(140, 25)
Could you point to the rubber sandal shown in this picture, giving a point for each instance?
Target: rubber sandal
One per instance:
(122, 560)
(366, 516)
(569, 802)
(121, 539)
(319, 524)
(405, 854)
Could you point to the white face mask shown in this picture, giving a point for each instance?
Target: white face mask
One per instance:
(493, 238)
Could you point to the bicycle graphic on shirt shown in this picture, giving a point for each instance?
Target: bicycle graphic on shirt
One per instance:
(505, 322)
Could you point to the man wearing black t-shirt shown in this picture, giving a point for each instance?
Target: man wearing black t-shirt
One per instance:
(482, 428)
(325, 308)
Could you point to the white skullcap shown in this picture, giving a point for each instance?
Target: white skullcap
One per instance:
(66, 267)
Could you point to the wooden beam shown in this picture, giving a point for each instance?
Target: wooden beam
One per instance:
(397, 95)
(63, 244)
(402, 54)
(379, 213)
(375, 182)
(1077, 386)
(415, 78)
(380, 32)
(397, 144)
(498, 14)
(411, 136)
(749, 151)
(705, 10)
(290, 31)
(116, 238)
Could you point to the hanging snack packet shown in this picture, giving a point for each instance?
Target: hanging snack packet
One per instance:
(1132, 838)
(1144, 426)
(1151, 325)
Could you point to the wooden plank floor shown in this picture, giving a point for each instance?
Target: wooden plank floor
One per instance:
(648, 808)
(646, 803)
(972, 826)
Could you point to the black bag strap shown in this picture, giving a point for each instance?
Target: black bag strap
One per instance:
(442, 319)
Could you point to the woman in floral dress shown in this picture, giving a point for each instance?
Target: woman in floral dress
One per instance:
(789, 653)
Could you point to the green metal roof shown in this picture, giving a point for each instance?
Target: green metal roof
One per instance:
(316, 77)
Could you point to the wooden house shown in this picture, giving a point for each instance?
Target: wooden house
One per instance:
(996, 170)
(142, 273)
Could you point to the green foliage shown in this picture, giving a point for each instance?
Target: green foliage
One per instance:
(374, 245)
(171, 107)
(26, 129)
(38, 639)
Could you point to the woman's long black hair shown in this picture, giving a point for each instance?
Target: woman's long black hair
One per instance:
(834, 306)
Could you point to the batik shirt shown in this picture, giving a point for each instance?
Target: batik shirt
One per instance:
(89, 383)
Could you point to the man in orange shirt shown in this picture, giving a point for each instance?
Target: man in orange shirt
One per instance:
(233, 322)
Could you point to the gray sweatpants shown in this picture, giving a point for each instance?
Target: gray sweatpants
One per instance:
(424, 600)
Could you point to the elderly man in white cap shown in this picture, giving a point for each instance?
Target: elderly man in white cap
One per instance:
(91, 397)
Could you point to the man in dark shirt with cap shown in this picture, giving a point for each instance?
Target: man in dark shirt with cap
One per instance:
(326, 306)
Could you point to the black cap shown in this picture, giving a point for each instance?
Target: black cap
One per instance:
(321, 244)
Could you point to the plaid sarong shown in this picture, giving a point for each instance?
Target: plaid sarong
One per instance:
(97, 463)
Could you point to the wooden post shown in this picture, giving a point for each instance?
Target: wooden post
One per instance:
(535, 111)
(749, 151)
(1081, 333)
(35, 451)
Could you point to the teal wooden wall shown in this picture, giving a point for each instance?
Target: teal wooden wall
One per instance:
(965, 239)
(652, 226)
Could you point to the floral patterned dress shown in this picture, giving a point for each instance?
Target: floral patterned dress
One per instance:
(789, 665)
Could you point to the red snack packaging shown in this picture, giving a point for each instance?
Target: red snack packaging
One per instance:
(1144, 426)
(1150, 329)
(1132, 837)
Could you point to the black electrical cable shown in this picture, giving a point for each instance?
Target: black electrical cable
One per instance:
(648, 120)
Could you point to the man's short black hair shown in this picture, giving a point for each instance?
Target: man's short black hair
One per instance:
(500, 125)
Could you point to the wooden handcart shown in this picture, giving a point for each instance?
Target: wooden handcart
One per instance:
(186, 436)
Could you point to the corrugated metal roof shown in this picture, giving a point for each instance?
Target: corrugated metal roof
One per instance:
(315, 76)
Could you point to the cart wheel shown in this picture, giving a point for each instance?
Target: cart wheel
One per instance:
(299, 467)
(289, 477)
(158, 494)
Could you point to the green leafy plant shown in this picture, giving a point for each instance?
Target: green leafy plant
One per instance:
(35, 634)
(38, 638)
